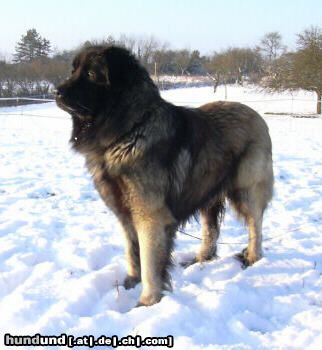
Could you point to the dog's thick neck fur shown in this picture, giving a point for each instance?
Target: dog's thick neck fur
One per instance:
(116, 120)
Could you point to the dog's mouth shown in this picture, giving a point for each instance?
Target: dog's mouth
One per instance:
(75, 109)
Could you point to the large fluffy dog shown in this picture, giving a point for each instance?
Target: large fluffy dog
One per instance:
(156, 164)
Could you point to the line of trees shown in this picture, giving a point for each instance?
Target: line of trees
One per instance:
(36, 69)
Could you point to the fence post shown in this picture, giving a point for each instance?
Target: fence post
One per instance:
(292, 106)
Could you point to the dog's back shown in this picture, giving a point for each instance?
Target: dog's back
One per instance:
(245, 137)
(229, 147)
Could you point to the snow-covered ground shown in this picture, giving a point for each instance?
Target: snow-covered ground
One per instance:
(62, 260)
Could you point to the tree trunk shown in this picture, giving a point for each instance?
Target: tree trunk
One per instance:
(318, 106)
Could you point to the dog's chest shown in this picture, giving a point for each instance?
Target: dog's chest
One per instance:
(112, 189)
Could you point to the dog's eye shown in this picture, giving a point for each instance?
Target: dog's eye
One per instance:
(91, 75)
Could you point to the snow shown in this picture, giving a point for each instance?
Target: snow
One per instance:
(62, 258)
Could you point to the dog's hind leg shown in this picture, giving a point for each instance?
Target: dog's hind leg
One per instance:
(253, 216)
(250, 194)
(211, 218)
(250, 205)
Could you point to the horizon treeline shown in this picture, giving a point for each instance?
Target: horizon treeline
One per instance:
(36, 69)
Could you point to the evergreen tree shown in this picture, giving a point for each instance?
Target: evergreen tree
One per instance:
(31, 46)
(44, 48)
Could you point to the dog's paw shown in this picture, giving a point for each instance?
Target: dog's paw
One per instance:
(131, 282)
(148, 300)
(188, 263)
(247, 259)
(198, 259)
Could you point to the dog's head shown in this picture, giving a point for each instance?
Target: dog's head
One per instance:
(98, 78)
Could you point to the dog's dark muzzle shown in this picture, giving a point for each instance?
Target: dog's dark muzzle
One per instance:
(61, 98)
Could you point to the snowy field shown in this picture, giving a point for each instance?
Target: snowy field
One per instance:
(62, 257)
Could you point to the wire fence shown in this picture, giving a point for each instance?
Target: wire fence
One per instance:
(19, 99)
(34, 115)
(281, 235)
(22, 110)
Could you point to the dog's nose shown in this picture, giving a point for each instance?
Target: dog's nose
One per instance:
(59, 92)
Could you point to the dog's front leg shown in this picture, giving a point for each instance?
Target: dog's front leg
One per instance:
(132, 251)
(156, 234)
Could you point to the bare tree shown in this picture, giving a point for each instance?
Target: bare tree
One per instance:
(2, 76)
(234, 65)
(301, 69)
(127, 41)
(183, 60)
(271, 45)
(308, 62)
(146, 46)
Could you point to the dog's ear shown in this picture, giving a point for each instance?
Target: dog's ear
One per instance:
(122, 66)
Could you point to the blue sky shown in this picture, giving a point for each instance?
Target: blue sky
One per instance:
(206, 25)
